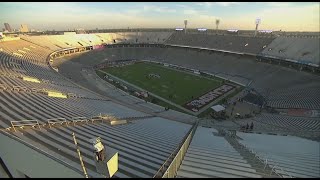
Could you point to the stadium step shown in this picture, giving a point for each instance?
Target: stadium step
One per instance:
(260, 167)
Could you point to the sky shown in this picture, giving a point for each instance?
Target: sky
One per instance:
(287, 16)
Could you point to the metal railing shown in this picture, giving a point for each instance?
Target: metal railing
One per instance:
(266, 163)
(169, 170)
(53, 121)
(75, 120)
(23, 123)
(278, 167)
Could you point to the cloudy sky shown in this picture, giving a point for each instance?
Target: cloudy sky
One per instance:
(287, 16)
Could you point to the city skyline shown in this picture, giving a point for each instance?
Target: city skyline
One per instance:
(285, 16)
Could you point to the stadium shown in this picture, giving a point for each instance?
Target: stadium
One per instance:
(165, 102)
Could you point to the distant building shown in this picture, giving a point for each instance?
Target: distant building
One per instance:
(80, 31)
(24, 28)
(7, 27)
(69, 33)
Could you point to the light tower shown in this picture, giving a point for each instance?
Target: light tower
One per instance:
(258, 20)
(185, 26)
(217, 24)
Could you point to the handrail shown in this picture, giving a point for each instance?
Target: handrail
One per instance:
(51, 121)
(273, 169)
(276, 164)
(54, 121)
(36, 123)
(176, 151)
(167, 160)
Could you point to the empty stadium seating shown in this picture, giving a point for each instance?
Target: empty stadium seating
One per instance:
(308, 127)
(57, 42)
(293, 90)
(211, 156)
(305, 50)
(291, 123)
(291, 156)
(146, 141)
(143, 145)
(220, 42)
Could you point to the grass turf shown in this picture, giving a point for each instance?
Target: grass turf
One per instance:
(175, 86)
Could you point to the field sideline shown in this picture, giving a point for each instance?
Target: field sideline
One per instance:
(175, 86)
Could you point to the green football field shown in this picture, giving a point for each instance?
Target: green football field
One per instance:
(175, 86)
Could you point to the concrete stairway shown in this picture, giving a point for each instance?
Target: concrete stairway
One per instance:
(264, 170)
(211, 156)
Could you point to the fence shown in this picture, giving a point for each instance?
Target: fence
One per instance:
(180, 152)
(54, 121)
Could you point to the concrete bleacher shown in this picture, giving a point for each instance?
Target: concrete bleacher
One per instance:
(290, 122)
(282, 125)
(294, 48)
(301, 95)
(252, 45)
(56, 42)
(24, 105)
(139, 157)
(288, 91)
(41, 87)
(134, 37)
(33, 64)
(211, 156)
(43, 41)
(296, 157)
(31, 52)
(85, 107)
(145, 143)
(106, 37)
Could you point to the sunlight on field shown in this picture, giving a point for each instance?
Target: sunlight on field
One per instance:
(178, 87)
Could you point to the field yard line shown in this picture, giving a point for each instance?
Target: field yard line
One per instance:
(169, 102)
(193, 74)
(215, 74)
(163, 99)
(137, 108)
